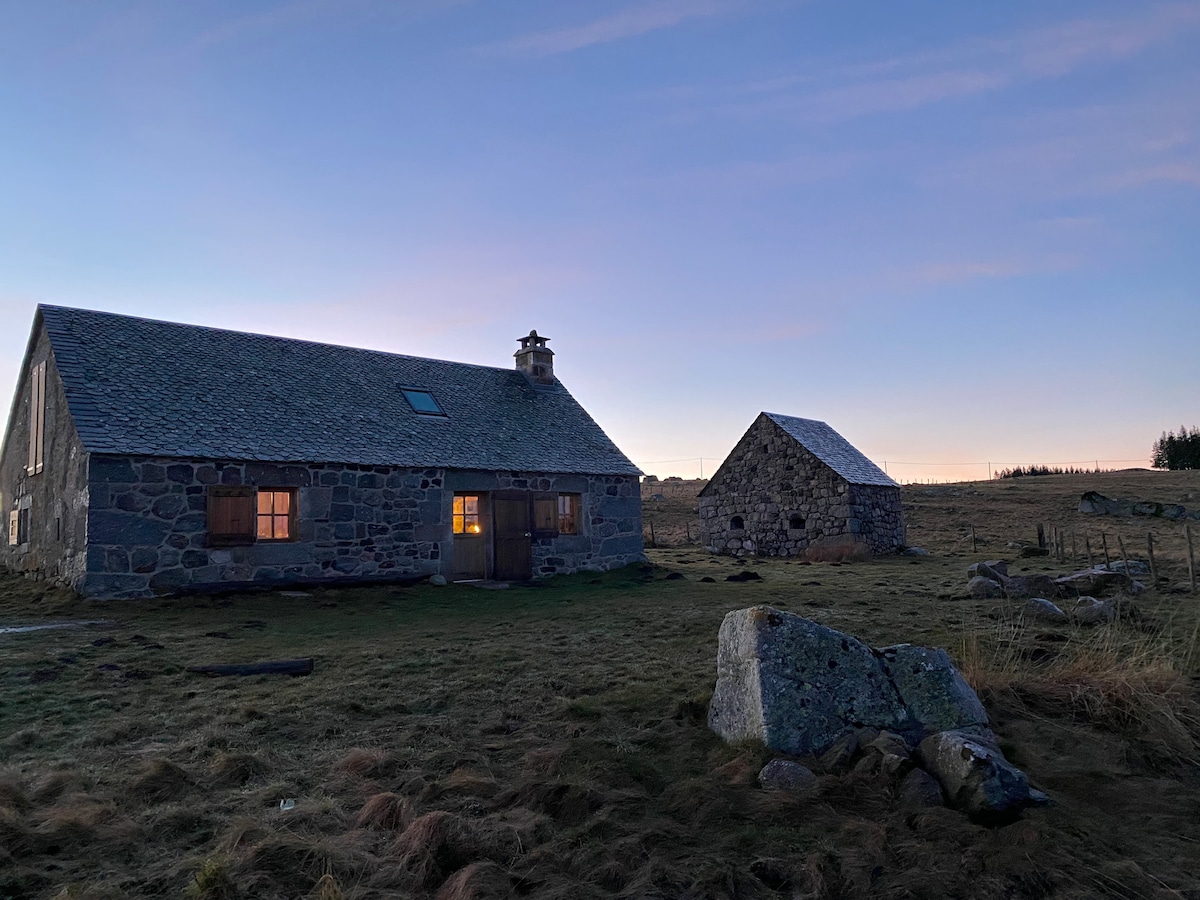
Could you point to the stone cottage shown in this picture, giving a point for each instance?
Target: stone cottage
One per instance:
(146, 458)
(791, 484)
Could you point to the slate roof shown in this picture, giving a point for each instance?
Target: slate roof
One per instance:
(832, 449)
(144, 387)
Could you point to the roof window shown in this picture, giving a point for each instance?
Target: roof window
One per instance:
(422, 401)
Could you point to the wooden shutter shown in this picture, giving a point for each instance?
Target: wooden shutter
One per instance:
(37, 418)
(13, 518)
(545, 515)
(231, 515)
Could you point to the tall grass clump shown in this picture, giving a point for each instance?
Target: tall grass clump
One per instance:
(1137, 683)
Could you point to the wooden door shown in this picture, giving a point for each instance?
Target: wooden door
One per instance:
(513, 559)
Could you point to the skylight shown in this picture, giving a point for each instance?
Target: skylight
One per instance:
(422, 402)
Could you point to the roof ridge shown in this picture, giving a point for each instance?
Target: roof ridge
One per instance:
(45, 307)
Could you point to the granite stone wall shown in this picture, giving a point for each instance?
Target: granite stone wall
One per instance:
(147, 524)
(788, 501)
(57, 497)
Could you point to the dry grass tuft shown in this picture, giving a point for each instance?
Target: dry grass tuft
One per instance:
(477, 881)
(213, 881)
(1131, 683)
(282, 857)
(235, 769)
(432, 846)
(836, 553)
(386, 811)
(160, 780)
(13, 797)
(327, 888)
(53, 785)
(78, 819)
(366, 763)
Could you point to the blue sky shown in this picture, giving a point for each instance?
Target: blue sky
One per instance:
(960, 232)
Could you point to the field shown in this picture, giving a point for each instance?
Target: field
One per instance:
(550, 741)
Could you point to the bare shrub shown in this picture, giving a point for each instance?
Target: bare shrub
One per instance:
(386, 811)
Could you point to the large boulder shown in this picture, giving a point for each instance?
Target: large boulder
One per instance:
(797, 685)
(1039, 609)
(934, 692)
(1096, 504)
(1096, 582)
(1093, 611)
(975, 775)
(1022, 587)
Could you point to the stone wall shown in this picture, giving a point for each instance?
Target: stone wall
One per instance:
(147, 525)
(57, 496)
(772, 482)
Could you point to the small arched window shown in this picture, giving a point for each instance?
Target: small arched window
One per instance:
(737, 523)
(795, 522)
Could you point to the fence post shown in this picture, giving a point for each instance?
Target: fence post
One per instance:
(1187, 530)
(653, 543)
(1041, 535)
(972, 538)
(1074, 555)
(1107, 559)
(1121, 544)
(1150, 553)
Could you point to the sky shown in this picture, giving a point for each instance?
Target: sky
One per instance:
(966, 235)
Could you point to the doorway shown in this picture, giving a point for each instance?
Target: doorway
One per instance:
(513, 556)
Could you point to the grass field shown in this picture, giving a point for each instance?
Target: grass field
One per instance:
(550, 742)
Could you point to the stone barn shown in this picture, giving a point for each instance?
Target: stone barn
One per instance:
(792, 484)
(146, 458)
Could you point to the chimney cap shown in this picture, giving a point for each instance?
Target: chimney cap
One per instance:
(533, 338)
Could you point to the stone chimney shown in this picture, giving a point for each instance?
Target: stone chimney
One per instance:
(535, 359)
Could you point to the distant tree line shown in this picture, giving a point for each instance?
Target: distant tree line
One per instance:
(1021, 471)
(1177, 451)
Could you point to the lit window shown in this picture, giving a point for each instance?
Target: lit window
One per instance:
(568, 514)
(274, 515)
(466, 514)
(422, 402)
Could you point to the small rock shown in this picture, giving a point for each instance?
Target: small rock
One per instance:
(1092, 611)
(984, 588)
(838, 757)
(915, 551)
(437, 580)
(920, 790)
(995, 569)
(708, 579)
(744, 576)
(975, 775)
(674, 576)
(1135, 567)
(1027, 552)
(785, 775)
(1039, 609)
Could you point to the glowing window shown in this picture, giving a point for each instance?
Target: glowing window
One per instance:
(274, 515)
(466, 514)
(568, 514)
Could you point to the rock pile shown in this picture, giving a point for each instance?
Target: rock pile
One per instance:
(988, 580)
(809, 691)
(1096, 504)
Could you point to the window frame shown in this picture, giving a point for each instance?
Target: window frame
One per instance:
(575, 501)
(465, 516)
(436, 412)
(290, 493)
